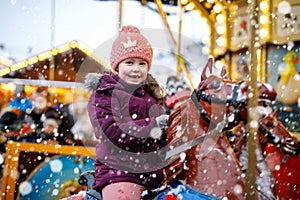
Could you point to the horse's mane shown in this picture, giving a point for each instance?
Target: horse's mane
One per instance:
(184, 123)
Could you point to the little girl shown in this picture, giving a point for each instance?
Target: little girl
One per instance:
(124, 112)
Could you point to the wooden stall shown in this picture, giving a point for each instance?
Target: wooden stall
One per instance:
(33, 170)
(37, 171)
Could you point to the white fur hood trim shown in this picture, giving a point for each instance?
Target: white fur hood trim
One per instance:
(92, 81)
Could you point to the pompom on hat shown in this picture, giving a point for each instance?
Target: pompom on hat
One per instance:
(130, 44)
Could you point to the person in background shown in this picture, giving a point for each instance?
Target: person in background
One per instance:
(40, 99)
(21, 101)
(177, 92)
(13, 127)
(124, 112)
(52, 131)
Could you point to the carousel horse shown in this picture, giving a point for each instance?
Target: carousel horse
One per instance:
(211, 167)
(282, 149)
(285, 168)
(271, 131)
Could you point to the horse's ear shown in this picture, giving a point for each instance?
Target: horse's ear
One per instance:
(276, 112)
(223, 72)
(208, 65)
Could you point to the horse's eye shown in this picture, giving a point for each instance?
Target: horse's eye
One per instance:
(269, 124)
(216, 85)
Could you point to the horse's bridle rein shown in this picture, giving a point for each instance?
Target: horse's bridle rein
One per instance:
(198, 95)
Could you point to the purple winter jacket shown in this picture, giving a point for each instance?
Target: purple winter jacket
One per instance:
(123, 116)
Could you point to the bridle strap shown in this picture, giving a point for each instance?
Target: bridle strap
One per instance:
(197, 95)
(201, 111)
(201, 95)
(269, 135)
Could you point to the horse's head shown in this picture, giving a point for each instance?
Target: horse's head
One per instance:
(272, 130)
(266, 95)
(219, 96)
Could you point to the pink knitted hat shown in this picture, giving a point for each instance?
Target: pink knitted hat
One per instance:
(130, 44)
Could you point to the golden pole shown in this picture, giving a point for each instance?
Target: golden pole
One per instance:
(52, 60)
(120, 14)
(52, 68)
(164, 18)
(253, 115)
(181, 64)
(179, 56)
(179, 68)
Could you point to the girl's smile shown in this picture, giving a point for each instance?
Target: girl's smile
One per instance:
(133, 70)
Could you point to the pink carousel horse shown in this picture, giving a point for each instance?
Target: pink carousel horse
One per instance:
(211, 167)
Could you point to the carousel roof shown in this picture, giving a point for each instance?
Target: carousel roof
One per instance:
(66, 63)
(5, 62)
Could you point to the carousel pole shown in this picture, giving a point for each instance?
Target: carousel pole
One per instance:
(52, 60)
(180, 59)
(179, 68)
(165, 21)
(120, 14)
(253, 115)
(175, 44)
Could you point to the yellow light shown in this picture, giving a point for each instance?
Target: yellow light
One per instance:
(263, 33)
(217, 8)
(263, 6)
(73, 44)
(220, 41)
(4, 71)
(220, 18)
(189, 6)
(263, 19)
(205, 50)
(63, 48)
(205, 40)
(11, 86)
(4, 61)
(211, 1)
(184, 2)
(19, 66)
(220, 29)
(54, 52)
(33, 60)
(44, 56)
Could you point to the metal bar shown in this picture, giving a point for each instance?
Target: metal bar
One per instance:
(52, 68)
(120, 15)
(165, 21)
(179, 68)
(202, 10)
(253, 114)
(52, 28)
(174, 43)
(61, 84)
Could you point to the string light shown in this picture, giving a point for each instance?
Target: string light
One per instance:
(49, 54)
(217, 8)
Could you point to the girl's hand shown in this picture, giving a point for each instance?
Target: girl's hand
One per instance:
(162, 121)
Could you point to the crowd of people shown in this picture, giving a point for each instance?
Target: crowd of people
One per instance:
(34, 119)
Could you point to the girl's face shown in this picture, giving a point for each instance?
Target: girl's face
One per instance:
(133, 70)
